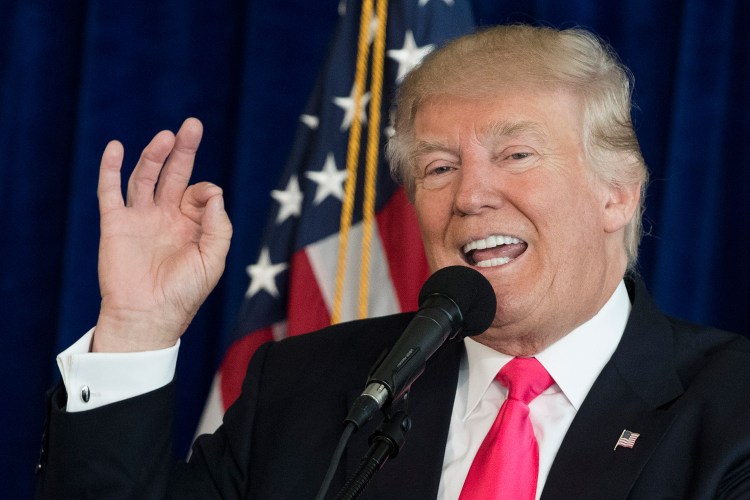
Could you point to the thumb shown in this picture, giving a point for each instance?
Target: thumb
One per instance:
(216, 235)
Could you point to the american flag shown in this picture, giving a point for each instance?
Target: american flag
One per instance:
(627, 439)
(300, 282)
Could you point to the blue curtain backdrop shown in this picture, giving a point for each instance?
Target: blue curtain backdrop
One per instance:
(75, 74)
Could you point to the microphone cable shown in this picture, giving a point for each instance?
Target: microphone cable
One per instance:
(335, 459)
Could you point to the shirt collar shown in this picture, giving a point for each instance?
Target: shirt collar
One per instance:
(574, 361)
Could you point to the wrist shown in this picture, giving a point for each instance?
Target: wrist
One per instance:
(116, 333)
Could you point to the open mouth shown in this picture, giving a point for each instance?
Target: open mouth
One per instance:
(496, 250)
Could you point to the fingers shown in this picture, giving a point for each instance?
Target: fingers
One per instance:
(162, 173)
(193, 203)
(108, 190)
(175, 175)
(143, 179)
(204, 204)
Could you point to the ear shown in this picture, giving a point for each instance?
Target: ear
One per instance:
(620, 204)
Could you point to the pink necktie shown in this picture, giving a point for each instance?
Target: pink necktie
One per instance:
(507, 463)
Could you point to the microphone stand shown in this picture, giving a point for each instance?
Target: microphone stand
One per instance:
(385, 443)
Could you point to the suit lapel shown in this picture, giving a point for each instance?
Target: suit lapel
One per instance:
(587, 463)
(415, 472)
(630, 394)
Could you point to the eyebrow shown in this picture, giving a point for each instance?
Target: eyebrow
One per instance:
(491, 133)
(425, 147)
(497, 130)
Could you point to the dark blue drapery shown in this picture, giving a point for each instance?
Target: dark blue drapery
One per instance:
(75, 74)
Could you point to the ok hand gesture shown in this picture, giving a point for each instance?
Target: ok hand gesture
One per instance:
(162, 249)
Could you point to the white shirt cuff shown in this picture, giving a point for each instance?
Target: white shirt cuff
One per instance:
(94, 379)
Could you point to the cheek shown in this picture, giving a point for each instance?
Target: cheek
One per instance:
(431, 230)
(433, 224)
(576, 228)
(430, 211)
(563, 215)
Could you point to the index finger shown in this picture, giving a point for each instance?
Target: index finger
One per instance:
(175, 175)
(109, 189)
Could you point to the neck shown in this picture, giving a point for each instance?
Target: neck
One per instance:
(528, 339)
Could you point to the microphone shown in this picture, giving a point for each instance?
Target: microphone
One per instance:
(454, 301)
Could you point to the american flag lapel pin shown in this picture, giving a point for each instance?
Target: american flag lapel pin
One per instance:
(627, 439)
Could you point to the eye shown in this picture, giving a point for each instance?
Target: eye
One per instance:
(518, 158)
(520, 155)
(437, 174)
(438, 170)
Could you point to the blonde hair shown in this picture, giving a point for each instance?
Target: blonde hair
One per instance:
(573, 59)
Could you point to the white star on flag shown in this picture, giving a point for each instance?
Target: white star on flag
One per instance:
(263, 275)
(290, 200)
(347, 104)
(409, 55)
(330, 180)
(449, 3)
(310, 120)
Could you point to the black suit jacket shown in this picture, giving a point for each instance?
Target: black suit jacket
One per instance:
(684, 389)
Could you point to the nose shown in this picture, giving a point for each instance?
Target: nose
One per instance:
(476, 189)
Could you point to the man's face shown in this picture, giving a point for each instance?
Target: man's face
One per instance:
(502, 186)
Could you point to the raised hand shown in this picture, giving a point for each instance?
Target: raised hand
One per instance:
(163, 249)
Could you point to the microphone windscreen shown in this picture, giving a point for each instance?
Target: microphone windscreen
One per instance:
(471, 292)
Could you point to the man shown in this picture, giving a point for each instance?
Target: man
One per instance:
(516, 147)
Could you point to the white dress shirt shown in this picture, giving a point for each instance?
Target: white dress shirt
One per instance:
(574, 362)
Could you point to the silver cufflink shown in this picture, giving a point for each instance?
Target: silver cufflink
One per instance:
(85, 394)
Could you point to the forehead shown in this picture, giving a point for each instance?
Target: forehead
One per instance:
(538, 116)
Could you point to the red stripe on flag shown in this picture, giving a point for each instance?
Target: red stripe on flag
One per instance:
(235, 362)
(306, 309)
(399, 232)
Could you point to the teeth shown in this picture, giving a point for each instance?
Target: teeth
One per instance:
(490, 242)
(493, 262)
